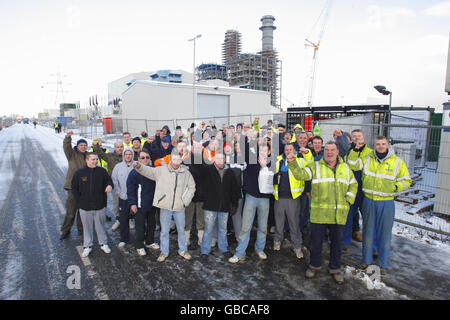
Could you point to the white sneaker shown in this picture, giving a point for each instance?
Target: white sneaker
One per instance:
(162, 257)
(299, 253)
(262, 255)
(213, 242)
(186, 255)
(276, 246)
(141, 252)
(121, 245)
(105, 248)
(86, 252)
(132, 224)
(153, 246)
(115, 225)
(235, 259)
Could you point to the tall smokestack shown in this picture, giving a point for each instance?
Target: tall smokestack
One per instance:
(267, 32)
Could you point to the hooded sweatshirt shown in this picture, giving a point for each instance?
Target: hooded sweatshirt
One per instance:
(120, 174)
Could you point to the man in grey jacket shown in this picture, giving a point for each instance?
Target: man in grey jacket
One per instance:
(119, 177)
(175, 188)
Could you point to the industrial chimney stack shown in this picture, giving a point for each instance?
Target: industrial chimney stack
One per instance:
(267, 32)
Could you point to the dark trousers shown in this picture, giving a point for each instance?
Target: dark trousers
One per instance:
(336, 232)
(71, 214)
(145, 227)
(124, 216)
(305, 212)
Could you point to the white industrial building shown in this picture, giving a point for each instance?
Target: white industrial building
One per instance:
(163, 102)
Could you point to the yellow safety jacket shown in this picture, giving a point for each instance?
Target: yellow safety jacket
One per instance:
(333, 190)
(297, 186)
(101, 163)
(352, 156)
(382, 179)
(129, 145)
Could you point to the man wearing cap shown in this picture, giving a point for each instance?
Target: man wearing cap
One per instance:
(76, 158)
(160, 155)
(136, 146)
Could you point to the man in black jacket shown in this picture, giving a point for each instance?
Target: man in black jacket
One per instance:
(221, 199)
(89, 187)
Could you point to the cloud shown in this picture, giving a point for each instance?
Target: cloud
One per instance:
(381, 17)
(441, 9)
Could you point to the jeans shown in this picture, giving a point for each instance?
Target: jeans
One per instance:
(378, 220)
(210, 222)
(335, 235)
(248, 215)
(165, 217)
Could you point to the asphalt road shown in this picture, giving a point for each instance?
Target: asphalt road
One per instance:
(37, 265)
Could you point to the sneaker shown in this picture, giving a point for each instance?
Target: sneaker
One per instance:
(153, 246)
(121, 245)
(235, 259)
(186, 255)
(357, 236)
(299, 253)
(276, 246)
(162, 257)
(262, 255)
(141, 252)
(115, 225)
(86, 252)
(310, 273)
(105, 248)
(132, 224)
(338, 277)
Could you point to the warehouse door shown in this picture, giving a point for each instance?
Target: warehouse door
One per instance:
(213, 107)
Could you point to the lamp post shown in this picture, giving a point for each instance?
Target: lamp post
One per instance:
(383, 91)
(193, 76)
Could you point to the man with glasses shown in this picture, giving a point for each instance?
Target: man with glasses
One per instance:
(140, 191)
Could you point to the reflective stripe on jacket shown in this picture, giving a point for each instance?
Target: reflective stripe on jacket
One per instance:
(297, 186)
(382, 179)
(333, 190)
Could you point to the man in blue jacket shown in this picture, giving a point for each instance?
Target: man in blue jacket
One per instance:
(140, 192)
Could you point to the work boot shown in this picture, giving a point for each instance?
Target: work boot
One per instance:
(357, 236)
(64, 235)
(338, 276)
(311, 272)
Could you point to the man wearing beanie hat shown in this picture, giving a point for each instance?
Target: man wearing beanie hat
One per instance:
(76, 158)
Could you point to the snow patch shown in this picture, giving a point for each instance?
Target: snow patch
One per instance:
(11, 288)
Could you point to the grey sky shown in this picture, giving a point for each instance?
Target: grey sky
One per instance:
(395, 43)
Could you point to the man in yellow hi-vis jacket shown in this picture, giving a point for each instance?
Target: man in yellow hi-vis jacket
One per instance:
(383, 175)
(287, 191)
(333, 190)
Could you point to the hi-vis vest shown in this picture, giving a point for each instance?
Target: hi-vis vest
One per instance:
(297, 186)
(382, 180)
(333, 191)
(101, 163)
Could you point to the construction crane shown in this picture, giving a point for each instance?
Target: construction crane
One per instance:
(315, 46)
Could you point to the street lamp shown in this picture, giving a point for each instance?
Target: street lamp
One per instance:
(193, 76)
(383, 91)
